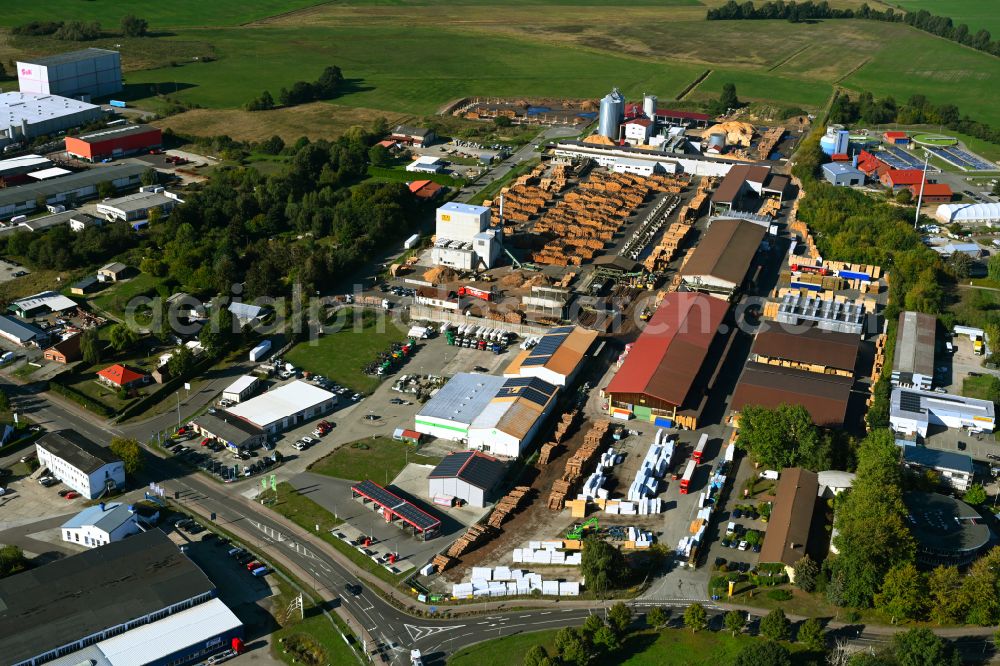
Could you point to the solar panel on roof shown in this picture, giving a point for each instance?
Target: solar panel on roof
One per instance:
(398, 505)
(535, 396)
(483, 472)
(451, 464)
(416, 517)
(909, 402)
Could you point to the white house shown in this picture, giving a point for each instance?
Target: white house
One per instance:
(82, 465)
(100, 525)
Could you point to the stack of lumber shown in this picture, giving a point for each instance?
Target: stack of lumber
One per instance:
(565, 423)
(443, 562)
(548, 452)
(507, 505)
(476, 536)
(557, 498)
(767, 142)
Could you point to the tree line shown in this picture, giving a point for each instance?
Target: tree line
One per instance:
(327, 86)
(81, 31)
(796, 12)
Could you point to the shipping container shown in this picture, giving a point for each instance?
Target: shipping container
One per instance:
(118, 103)
(411, 242)
(260, 351)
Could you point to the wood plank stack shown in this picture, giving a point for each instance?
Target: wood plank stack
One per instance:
(475, 537)
(443, 562)
(548, 452)
(507, 505)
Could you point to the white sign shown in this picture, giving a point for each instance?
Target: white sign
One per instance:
(187, 386)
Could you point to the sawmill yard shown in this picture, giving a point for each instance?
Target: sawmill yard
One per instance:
(447, 51)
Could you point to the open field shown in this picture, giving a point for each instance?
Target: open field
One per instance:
(376, 459)
(974, 13)
(316, 120)
(669, 647)
(980, 387)
(115, 299)
(342, 356)
(173, 14)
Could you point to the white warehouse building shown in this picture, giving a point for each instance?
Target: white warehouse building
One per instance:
(84, 73)
(241, 389)
(978, 213)
(465, 240)
(470, 476)
(285, 407)
(509, 423)
(84, 466)
(450, 412)
(25, 115)
(912, 412)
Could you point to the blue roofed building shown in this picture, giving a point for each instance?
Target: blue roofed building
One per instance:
(104, 523)
(843, 174)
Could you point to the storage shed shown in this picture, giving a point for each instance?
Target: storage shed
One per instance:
(471, 476)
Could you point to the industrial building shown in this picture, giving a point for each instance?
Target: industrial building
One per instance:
(824, 396)
(241, 389)
(912, 412)
(112, 272)
(114, 142)
(14, 171)
(719, 263)
(426, 164)
(913, 360)
(233, 432)
(285, 407)
(661, 377)
(842, 174)
(835, 141)
(136, 206)
(812, 350)
(25, 116)
(954, 469)
(662, 162)
(896, 138)
(470, 476)
(743, 184)
(42, 303)
(897, 179)
(21, 333)
(75, 187)
(66, 350)
(102, 524)
(85, 73)
(948, 531)
(438, 298)
(843, 316)
(131, 602)
(80, 221)
(932, 193)
(612, 113)
(465, 240)
(557, 358)
(82, 465)
(507, 425)
(418, 137)
(394, 509)
(789, 535)
(977, 213)
(451, 410)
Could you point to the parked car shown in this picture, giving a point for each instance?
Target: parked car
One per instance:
(744, 545)
(64, 492)
(71, 495)
(48, 481)
(254, 564)
(300, 445)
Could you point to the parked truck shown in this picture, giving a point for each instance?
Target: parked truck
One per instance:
(260, 351)
(699, 450)
(688, 475)
(475, 292)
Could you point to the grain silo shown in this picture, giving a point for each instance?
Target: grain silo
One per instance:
(649, 106)
(612, 114)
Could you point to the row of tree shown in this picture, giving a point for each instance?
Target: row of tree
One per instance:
(327, 86)
(796, 12)
(81, 31)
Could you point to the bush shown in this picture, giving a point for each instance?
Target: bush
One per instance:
(779, 595)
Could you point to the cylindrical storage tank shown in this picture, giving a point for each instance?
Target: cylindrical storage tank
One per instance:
(717, 140)
(612, 114)
(649, 106)
(828, 144)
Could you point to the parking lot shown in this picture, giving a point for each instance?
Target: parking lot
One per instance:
(10, 270)
(25, 500)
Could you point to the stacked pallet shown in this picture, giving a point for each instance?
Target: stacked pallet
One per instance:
(557, 498)
(666, 250)
(548, 452)
(508, 505)
(565, 423)
(443, 562)
(475, 537)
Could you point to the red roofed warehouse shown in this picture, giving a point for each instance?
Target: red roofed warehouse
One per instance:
(899, 178)
(426, 190)
(896, 137)
(664, 376)
(933, 192)
(114, 142)
(121, 376)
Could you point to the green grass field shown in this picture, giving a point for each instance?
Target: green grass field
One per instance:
(115, 298)
(669, 647)
(934, 139)
(974, 13)
(980, 387)
(342, 356)
(377, 459)
(173, 14)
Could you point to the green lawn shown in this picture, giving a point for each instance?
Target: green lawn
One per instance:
(308, 514)
(974, 307)
(314, 634)
(669, 647)
(378, 459)
(115, 298)
(342, 356)
(979, 387)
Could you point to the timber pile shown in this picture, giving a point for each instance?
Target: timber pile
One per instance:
(565, 423)
(510, 316)
(666, 250)
(548, 452)
(443, 562)
(557, 498)
(767, 142)
(508, 505)
(475, 537)
(771, 207)
(578, 463)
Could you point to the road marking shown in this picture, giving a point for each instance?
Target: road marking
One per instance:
(546, 613)
(418, 633)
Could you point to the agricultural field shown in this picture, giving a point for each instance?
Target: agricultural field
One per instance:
(974, 13)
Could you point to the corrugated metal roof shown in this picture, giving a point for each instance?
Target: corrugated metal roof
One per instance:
(915, 338)
(813, 345)
(53, 300)
(241, 384)
(80, 55)
(21, 331)
(666, 358)
(462, 398)
(725, 252)
(825, 397)
(150, 643)
(949, 460)
(730, 187)
(278, 403)
(787, 536)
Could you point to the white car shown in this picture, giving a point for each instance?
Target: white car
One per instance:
(744, 545)
(3, 491)
(300, 446)
(308, 441)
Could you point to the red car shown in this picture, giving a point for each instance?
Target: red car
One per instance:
(253, 565)
(205, 441)
(71, 495)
